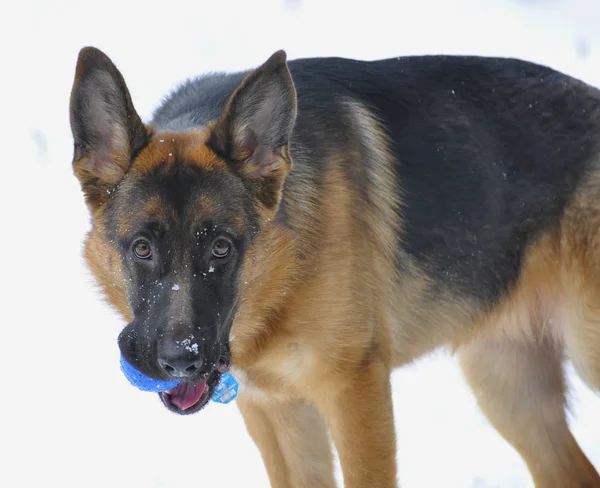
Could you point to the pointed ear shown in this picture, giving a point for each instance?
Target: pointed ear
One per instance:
(253, 132)
(106, 129)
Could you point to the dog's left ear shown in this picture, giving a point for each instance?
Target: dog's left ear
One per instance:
(253, 132)
(107, 131)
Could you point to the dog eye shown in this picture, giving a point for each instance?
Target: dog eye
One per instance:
(221, 248)
(142, 249)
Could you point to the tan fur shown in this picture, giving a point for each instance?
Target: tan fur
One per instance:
(325, 324)
(105, 263)
(336, 318)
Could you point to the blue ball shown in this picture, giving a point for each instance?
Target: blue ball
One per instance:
(143, 382)
(227, 390)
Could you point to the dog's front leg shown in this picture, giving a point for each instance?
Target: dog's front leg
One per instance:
(293, 441)
(361, 419)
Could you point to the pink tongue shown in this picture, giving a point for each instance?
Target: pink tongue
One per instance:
(185, 395)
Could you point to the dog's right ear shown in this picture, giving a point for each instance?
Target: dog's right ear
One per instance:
(107, 131)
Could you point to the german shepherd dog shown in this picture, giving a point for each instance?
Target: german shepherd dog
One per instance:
(315, 224)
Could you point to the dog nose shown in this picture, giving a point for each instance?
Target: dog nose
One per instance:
(180, 359)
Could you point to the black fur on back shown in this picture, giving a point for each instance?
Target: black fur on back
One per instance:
(488, 150)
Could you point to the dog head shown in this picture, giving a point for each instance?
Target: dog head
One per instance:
(176, 216)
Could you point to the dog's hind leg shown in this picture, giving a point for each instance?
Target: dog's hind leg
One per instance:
(293, 441)
(580, 247)
(520, 386)
(582, 337)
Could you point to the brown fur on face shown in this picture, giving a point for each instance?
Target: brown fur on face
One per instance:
(105, 263)
(166, 148)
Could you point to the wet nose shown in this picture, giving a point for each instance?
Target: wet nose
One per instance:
(180, 358)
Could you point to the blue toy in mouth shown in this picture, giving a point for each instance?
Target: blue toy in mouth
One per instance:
(225, 392)
(143, 382)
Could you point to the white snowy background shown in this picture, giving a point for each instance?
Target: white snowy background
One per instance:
(68, 417)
